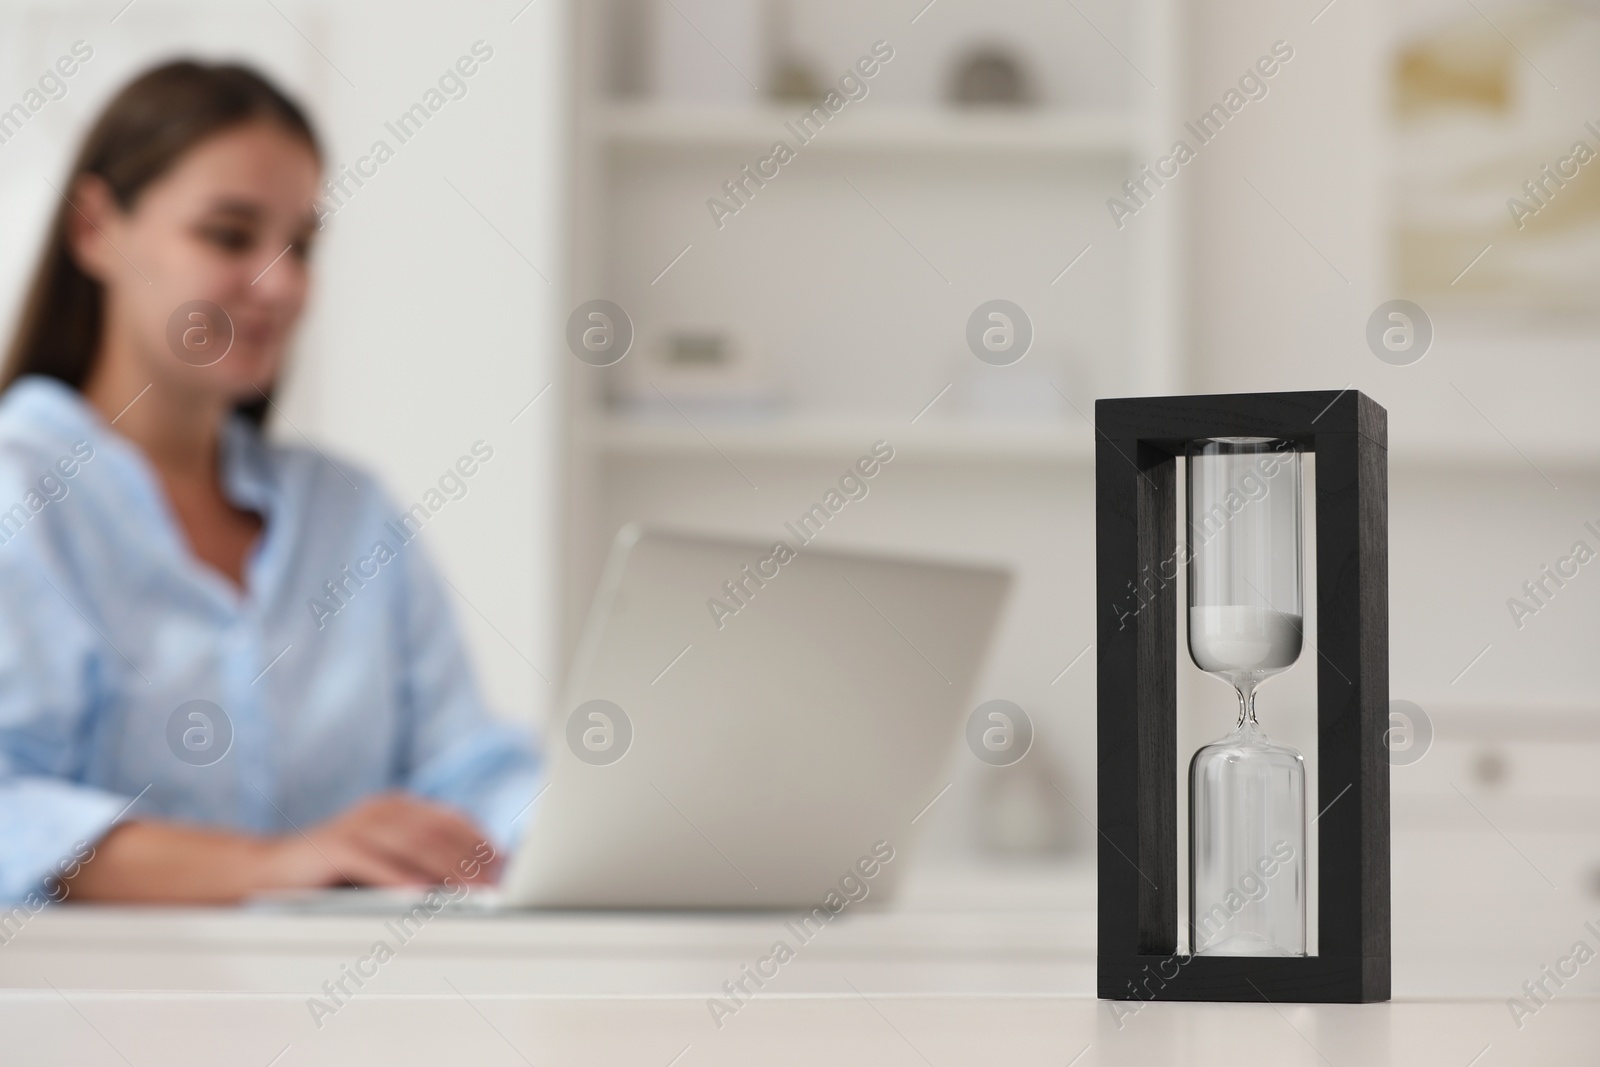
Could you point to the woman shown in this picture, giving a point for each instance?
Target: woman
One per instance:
(179, 720)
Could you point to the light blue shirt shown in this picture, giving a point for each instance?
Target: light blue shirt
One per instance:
(110, 628)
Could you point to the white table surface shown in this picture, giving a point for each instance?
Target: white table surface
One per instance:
(980, 967)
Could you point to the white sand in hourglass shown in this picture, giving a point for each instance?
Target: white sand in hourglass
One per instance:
(1236, 637)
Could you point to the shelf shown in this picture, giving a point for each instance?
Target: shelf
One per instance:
(794, 437)
(909, 130)
(948, 439)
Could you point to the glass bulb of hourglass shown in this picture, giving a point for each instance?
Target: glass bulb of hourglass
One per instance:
(1246, 792)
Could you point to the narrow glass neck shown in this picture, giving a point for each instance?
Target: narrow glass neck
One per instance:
(1245, 688)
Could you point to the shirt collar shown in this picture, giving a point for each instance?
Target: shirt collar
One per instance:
(247, 474)
(56, 407)
(52, 405)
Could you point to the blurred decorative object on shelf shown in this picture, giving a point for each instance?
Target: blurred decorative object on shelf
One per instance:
(1011, 394)
(699, 369)
(1490, 767)
(794, 82)
(790, 79)
(1495, 184)
(630, 48)
(1040, 389)
(1023, 811)
(991, 75)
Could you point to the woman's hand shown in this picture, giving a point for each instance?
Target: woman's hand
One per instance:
(388, 840)
(392, 839)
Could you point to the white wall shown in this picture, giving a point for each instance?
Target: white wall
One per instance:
(428, 329)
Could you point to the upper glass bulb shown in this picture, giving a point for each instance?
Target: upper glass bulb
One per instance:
(1245, 612)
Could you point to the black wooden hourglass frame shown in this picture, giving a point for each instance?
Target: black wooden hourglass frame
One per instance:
(1137, 444)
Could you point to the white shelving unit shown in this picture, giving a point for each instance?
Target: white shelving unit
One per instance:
(853, 276)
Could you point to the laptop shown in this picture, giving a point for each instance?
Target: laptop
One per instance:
(751, 725)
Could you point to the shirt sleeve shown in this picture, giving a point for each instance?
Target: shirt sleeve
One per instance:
(49, 656)
(459, 753)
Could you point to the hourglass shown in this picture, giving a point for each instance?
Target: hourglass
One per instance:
(1246, 792)
(1242, 563)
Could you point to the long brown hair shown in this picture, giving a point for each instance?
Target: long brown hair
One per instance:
(141, 134)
